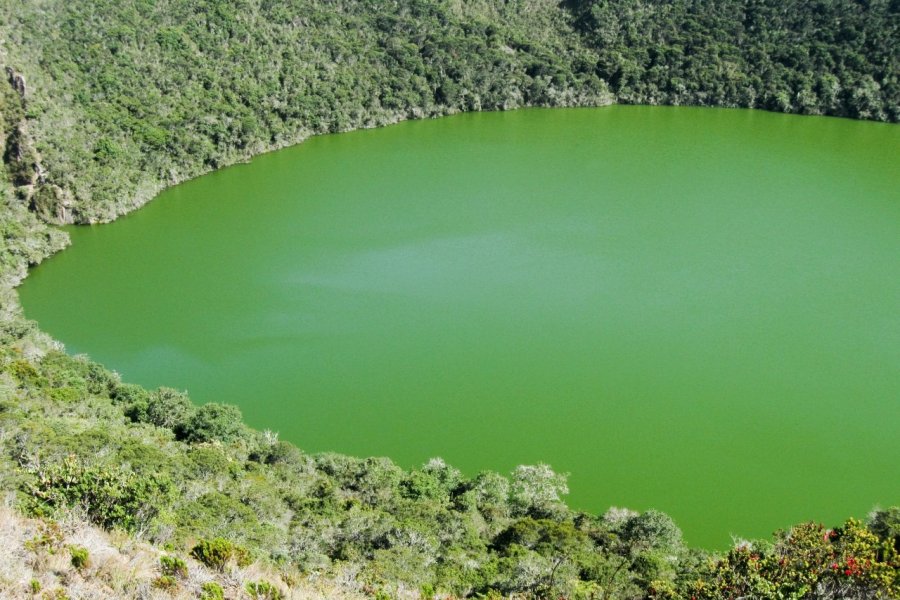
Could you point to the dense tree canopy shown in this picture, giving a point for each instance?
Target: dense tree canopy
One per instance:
(119, 99)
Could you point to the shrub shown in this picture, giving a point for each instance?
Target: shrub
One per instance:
(173, 566)
(80, 558)
(652, 530)
(216, 553)
(49, 538)
(263, 590)
(165, 582)
(112, 497)
(213, 422)
(808, 561)
(537, 491)
(164, 407)
(25, 372)
(886, 525)
(211, 591)
(208, 512)
(130, 394)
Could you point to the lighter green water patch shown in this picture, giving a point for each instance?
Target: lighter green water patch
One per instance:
(688, 309)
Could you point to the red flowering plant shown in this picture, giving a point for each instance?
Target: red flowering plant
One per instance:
(807, 561)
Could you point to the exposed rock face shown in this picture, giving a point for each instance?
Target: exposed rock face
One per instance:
(51, 203)
(22, 161)
(17, 81)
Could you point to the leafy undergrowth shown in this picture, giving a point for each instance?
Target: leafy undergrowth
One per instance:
(70, 558)
(261, 517)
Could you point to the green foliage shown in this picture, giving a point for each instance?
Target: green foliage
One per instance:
(537, 491)
(213, 422)
(263, 590)
(111, 497)
(164, 407)
(165, 582)
(173, 566)
(886, 525)
(218, 552)
(849, 561)
(80, 558)
(833, 58)
(211, 591)
(654, 531)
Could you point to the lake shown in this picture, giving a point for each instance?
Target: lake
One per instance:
(694, 310)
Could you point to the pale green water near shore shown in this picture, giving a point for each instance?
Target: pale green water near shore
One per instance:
(695, 310)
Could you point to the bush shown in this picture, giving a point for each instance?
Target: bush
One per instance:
(165, 582)
(263, 590)
(216, 553)
(211, 591)
(886, 525)
(173, 566)
(808, 561)
(129, 394)
(537, 491)
(652, 530)
(164, 407)
(112, 497)
(80, 558)
(213, 422)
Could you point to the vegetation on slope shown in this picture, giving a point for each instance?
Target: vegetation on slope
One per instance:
(103, 103)
(832, 57)
(124, 98)
(72, 559)
(197, 482)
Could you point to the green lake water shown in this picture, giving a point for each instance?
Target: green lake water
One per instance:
(693, 310)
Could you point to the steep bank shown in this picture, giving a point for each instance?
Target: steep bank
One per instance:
(123, 99)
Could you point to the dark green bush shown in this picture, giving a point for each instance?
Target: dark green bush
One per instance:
(886, 525)
(164, 407)
(113, 497)
(173, 566)
(80, 558)
(211, 591)
(263, 590)
(130, 394)
(218, 552)
(213, 422)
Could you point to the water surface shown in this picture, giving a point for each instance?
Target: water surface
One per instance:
(689, 309)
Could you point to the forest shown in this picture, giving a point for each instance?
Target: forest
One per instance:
(125, 98)
(103, 104)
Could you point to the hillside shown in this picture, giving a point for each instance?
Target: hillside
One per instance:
(123, 98)
(102, 104)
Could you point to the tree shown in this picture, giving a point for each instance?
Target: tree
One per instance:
(164, 407)
(213, 422)
(537, 491)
